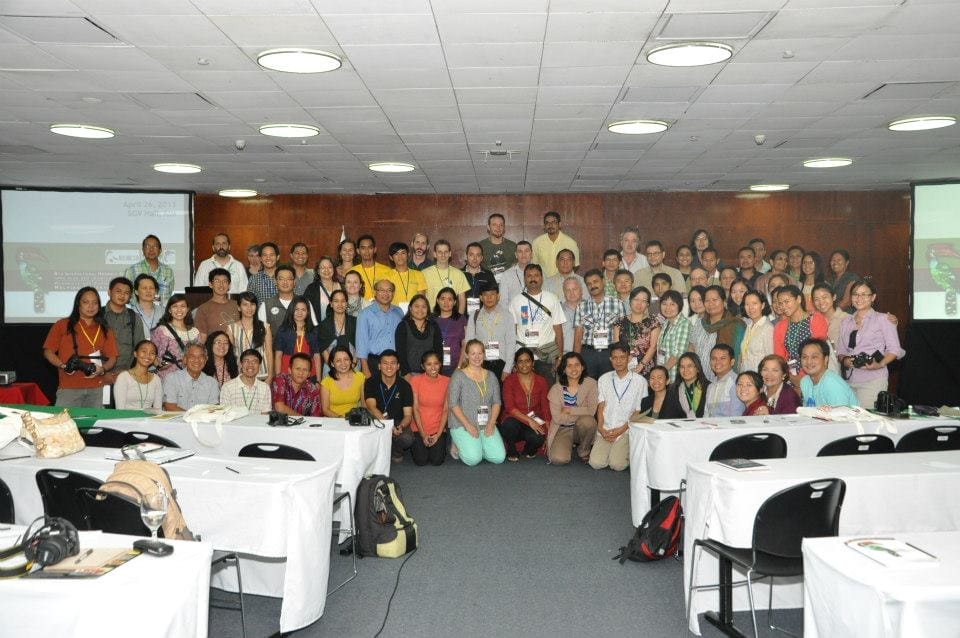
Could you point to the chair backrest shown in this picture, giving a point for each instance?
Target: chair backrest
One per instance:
(933, 439)
(858, 444)
(7, 512)
(807, 510)
(761, 445)
(58, 491)
(104, 437)
(111, 512)
(132, 438)
(275, 451)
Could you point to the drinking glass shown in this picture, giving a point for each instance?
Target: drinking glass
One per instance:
(153, 509)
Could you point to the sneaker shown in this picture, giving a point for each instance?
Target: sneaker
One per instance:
(530, 455)
(512, 458)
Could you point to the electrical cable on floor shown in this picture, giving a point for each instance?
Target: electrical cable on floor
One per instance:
(394, 593)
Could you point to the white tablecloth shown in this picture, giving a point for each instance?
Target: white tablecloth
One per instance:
(117, 604)
(357, 450)
(886, 493)
(660, 452)
(878, 601)
(275, 510)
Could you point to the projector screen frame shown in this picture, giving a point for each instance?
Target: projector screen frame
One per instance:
(911, 256)
(191, 195)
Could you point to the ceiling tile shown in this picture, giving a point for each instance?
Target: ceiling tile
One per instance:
(712, 26)
(600, 27)
(148, 30)
(568, 54)
(57, 30)
(491, 27)
(382, 29)
(512, 76)
(501, 55)
(275, 31)
(395, 56)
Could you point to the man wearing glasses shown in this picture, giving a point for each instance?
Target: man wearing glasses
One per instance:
(376, 327)
(655, 254)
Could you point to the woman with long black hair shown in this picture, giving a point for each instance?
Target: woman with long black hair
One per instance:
(687, 396)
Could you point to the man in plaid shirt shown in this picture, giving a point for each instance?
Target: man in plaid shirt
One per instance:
(150, 265)
(593, 321)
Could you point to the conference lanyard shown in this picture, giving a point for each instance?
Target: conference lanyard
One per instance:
(93, 342)
(406, 285)
(485, 318)
(482, 387)
(253, 396)
(393, 393)
(620, 395)
(369, 281)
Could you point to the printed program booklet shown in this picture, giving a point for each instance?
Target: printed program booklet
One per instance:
(891, 552)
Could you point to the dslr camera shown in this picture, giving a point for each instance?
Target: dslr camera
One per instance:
(862, 359)
(74, 363)
(359, 417)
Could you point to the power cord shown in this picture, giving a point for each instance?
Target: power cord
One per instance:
(394, 593)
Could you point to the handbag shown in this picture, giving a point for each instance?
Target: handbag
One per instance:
(216, 414)
(52, 438)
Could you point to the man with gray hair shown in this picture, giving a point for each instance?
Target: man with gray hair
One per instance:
(376, 327)
(631, 259)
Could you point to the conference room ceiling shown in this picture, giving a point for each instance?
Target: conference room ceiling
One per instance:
(438, 84)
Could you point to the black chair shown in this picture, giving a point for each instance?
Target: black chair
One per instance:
(807, 510)
(275, 451)
(761, 445)
(116, 514)
(862, 444)
(132, 438)
(58, 489)
(288, 452)
(7, 511)
(104, 437)
(935, 439)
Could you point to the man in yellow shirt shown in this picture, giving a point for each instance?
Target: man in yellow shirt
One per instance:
(442, 275)
(369, 270)
(409, 282)
(551, 242)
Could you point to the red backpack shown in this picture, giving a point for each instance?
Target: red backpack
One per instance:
(658, 534)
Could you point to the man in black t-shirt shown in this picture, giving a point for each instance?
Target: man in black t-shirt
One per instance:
(390, 397)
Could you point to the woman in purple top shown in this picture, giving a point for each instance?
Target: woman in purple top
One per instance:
(867, 332)
(782, 398)
(453, 327)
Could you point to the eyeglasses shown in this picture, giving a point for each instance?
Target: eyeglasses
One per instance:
(862, 294)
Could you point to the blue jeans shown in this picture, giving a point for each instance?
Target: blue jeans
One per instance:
(473, 450)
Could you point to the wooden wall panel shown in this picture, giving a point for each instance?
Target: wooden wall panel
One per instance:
(873, 226)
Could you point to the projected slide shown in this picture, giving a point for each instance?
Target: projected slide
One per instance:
(936, 251)
(56, 242)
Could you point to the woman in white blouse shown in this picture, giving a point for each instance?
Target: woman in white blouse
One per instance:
(138, 388)
(758, 338)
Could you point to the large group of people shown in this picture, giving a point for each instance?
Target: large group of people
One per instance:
(512, 355)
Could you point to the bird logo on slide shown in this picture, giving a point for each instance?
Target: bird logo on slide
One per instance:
(942, 274)
(30, 264)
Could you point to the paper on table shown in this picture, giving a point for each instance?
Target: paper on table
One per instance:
(891, 552)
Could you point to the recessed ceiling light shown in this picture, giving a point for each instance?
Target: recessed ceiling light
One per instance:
(238, 192)
(299, 60)
(769, 188)
(638, 127)
(391, 167)
(289, 130)
(827, 162)
(690, 54)
(82, 130)
(922, 123)
(177, 168)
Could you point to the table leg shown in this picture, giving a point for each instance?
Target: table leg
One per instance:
(724, 619)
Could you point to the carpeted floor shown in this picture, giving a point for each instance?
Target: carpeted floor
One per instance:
(521, 549)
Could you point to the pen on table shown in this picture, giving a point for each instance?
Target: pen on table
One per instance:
(231, 469)
(82, 556)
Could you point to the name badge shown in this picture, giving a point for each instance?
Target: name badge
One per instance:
(536, 418)
(601, 338)
(447, 359)
(661, 356)
(473, 304)
(491, 351)
(498, 272)
(483, 415)
(532, 335)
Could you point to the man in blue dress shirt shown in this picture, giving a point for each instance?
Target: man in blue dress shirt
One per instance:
(722, 394)
(376, 326)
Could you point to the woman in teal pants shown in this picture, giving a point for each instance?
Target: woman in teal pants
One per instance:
(474, 401)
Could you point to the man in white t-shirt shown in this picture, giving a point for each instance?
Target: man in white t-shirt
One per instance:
(620, 394)
(222, 259)
(246, 390)
(539, 318)
(511, 281)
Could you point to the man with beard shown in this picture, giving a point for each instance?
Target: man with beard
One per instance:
(222, 259)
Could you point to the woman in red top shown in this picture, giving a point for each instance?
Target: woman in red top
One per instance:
(750, 392)
(526, 410)
(83, 333)
(797, 326)
(429, 412)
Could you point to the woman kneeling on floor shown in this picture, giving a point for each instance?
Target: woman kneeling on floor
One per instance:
(474, 401)
(526, 410)
(573, 411)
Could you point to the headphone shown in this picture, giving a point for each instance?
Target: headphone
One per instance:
(54, 540)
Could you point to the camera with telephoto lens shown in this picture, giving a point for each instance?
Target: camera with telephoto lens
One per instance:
(862, 359)
(74, 364)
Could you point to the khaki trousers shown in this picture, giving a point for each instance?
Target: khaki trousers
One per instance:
(581, 433)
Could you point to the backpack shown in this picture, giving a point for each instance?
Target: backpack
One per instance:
(132, 479)
(658, 534)
(383, 526)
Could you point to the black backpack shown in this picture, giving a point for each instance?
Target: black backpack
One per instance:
(384, 528)
(658, 534)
